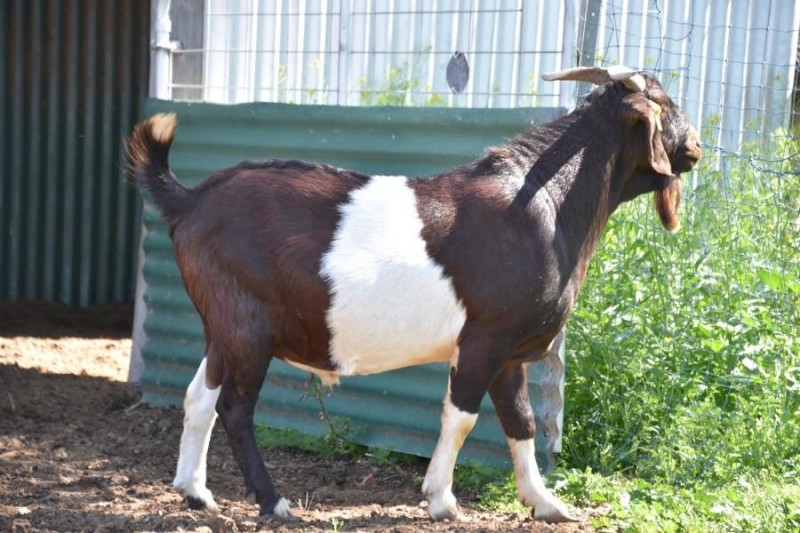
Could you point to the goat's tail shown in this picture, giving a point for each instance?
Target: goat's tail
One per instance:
(148, 165)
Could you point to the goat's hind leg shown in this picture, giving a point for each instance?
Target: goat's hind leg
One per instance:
(509, 393)
(199, 405)
(236, 406)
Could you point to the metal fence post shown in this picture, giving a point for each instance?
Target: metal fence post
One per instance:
(546, 382)
(161, 71)
(343, 83)
(588, 39)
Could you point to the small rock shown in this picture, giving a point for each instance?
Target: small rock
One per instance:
(248, 525)
(117, 523)
(225, 523)
(21, 526)
(119, 479)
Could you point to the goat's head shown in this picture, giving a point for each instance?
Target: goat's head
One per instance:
(664, 142)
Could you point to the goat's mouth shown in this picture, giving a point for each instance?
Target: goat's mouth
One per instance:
(687, 157)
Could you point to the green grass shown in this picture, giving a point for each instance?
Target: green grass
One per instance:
(683, 356)
(683, 349)
(749, 505)
(757, 504)
(330, 446)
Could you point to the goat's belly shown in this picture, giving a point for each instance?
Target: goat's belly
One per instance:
(391, 304)
(370, 334)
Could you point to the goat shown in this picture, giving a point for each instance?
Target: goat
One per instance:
(341, 273)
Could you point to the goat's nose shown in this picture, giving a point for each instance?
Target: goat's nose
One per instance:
(693, 141)
(693, 149)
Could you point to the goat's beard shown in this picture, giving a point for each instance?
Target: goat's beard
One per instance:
(667, 202)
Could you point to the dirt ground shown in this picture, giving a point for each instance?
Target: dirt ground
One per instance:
(74, 455)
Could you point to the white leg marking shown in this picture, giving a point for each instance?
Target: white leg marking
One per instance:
(282, 509)
(199, 406)
(438, 485)
(530, 485)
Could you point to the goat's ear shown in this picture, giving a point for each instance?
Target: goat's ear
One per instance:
(636, 108)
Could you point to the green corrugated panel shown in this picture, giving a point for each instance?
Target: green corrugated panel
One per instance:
(400, 409)
(73, 79)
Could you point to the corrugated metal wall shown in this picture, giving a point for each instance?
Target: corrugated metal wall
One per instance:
(73, 79)
(398, 410)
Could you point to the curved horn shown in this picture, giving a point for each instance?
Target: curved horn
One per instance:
(629, 77)
(596, 75)
(599, 75)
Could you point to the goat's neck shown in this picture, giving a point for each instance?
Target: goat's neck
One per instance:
(568, 185)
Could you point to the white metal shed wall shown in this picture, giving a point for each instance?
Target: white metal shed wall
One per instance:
(730, 63)
(329, 51)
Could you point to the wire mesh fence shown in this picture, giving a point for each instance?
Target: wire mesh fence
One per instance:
(731, 64)
(684, 354)
(684, 349)
(362, 52)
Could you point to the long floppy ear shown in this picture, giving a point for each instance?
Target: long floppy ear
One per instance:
(635, 108)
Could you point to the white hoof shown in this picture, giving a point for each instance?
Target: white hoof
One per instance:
(552, 510)
(282, 509)
(281, 512)
(443, 506)
(196, 497)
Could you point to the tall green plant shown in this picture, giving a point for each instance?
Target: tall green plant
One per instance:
(398, 88)
(684, 349)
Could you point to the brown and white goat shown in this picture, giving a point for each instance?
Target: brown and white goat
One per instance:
(340, 273)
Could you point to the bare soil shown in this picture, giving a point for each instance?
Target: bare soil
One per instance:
(76, 454)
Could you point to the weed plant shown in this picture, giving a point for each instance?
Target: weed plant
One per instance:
(683, 348)
(683, 356)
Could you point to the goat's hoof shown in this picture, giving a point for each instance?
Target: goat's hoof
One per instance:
(444, 507)
(280, 512)
(195, 503)
(200, 500)
(552, 511)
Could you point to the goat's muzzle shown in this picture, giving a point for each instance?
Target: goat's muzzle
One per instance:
(688, 154)
(668, 198)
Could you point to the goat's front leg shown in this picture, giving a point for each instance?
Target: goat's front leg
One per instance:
(470, 375)
(438, 484)
(509, 392)
(190, 477)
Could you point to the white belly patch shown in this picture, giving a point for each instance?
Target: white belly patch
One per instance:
(391, 304)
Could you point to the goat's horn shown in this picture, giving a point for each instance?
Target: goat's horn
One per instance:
(629, 77)
(596, 75)
(599, 75)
